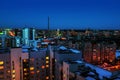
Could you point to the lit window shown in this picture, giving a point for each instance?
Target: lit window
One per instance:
(31, 68)
(111, 60)
(116, 67)
(98, 58)
(13, 76)
(1, 62)
(13, 71)
(25, 78)
(25, 73)
(25, 69)
(32, 72)
(47, 61)
(32, 59)
(1, 67)
(64, 75)
(55, 60)
(24, 60)
(47, 57)
(47, 77)
(38, 71)
(47, 66)
(52, 76)
(1, 76)
(43, 67)
(8, 71)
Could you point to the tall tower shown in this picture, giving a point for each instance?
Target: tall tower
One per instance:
(48, 26)
(32, 33)
(48, 23)
(26, 36)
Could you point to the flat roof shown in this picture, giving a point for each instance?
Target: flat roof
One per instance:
(4, 50)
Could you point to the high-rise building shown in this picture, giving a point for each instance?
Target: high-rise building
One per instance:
(11, 63)
(38, 65)
(5, 41)
(15, 42)
(32, 34)
(31, 65)
(99, 52)
(28, 34)
(25, 36)
(18, 32)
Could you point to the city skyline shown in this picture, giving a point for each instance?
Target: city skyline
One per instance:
(77, 14)
(36, 54)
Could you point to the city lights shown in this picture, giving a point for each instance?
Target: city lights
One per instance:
(31, 68)
(47, 57)
(43, 67)
(1, 62)
(75, 54)
(1, 67)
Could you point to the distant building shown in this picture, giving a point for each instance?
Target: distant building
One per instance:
(18, 32)
(28, 34)
(99, 52)
(15, 42)
(25, 36)
(4, 41)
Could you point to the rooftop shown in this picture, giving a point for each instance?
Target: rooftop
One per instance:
(4, 50)
(75, 62)
(64, 50)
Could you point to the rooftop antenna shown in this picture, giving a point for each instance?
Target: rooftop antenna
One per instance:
(48, 23)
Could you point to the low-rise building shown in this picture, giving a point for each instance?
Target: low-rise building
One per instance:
(64, 54)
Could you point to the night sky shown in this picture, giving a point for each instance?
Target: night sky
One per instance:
(64, 14)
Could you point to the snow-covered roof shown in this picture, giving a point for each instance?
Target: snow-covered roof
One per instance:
(25, 46)
(24, 50)
(79, 61)
(35, 49)
(62, 48)
(89, 78)
(91, 73)
(100, 71)
(74, 51)
(117, 53)
(44, 43)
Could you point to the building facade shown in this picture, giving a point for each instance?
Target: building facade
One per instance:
(99, 52)
(11, 64)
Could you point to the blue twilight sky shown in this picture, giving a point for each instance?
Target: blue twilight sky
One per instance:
(69, 14)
